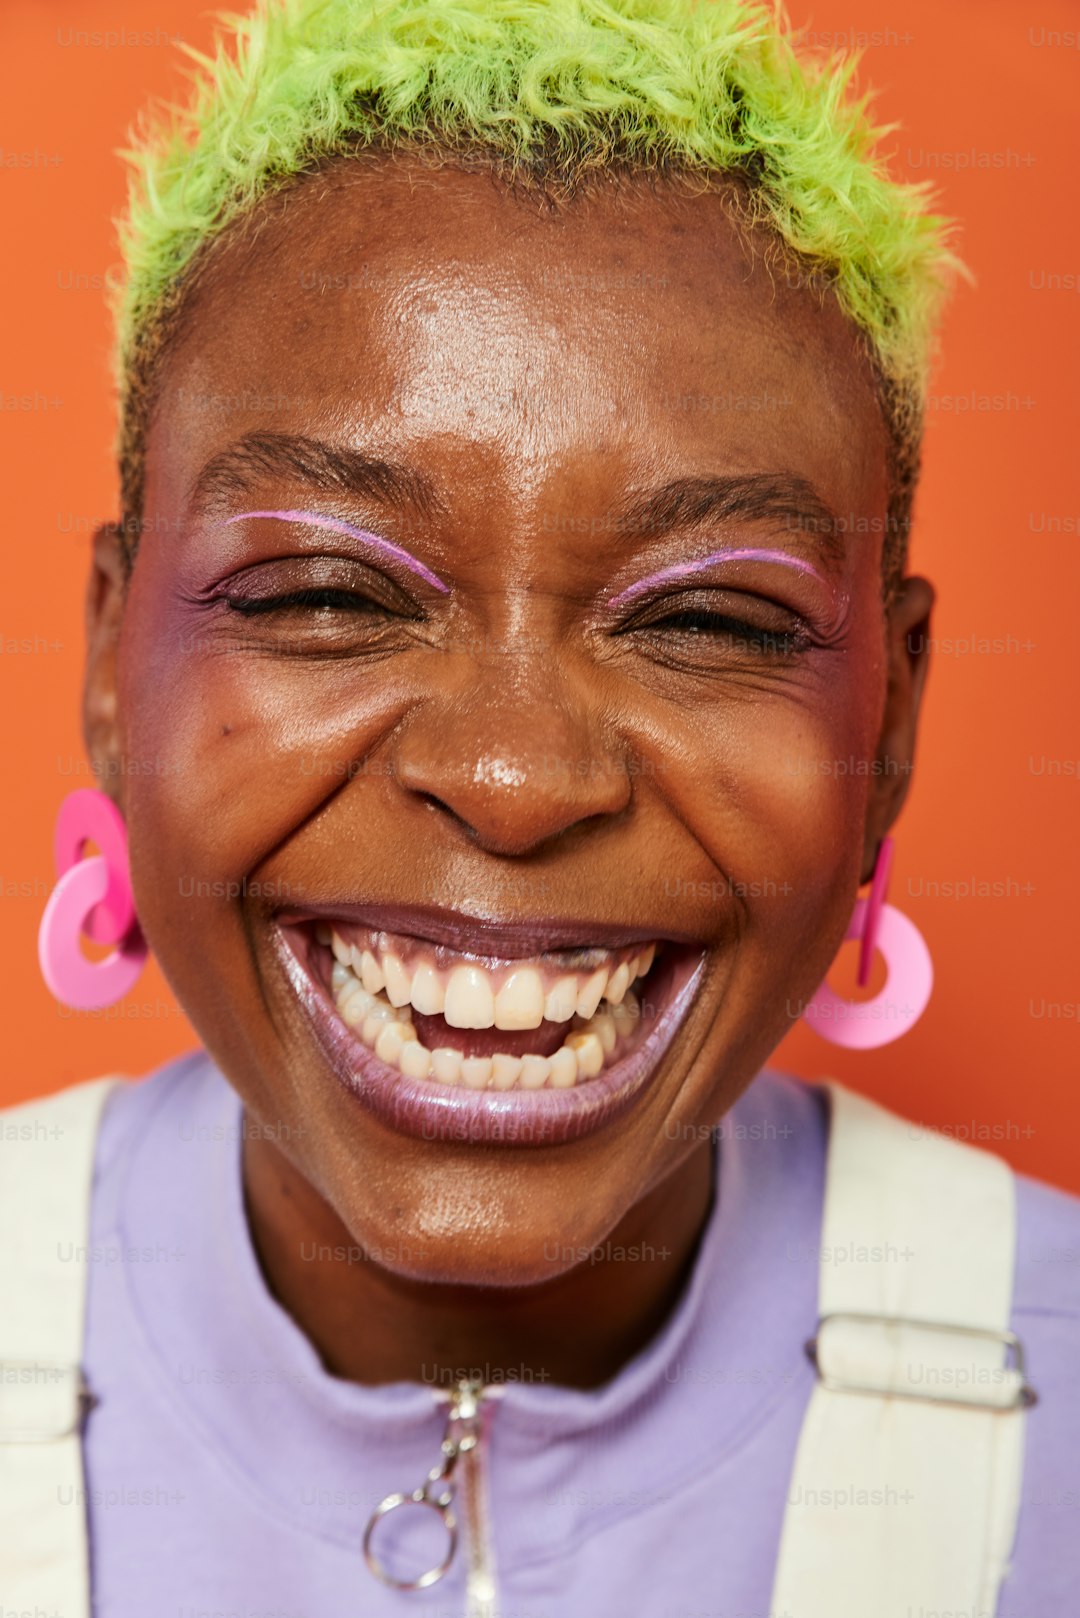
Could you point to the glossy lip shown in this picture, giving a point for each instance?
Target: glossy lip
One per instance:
(479, 935)
(427, 1110)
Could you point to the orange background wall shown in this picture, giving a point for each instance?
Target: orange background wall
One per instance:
(983, 94)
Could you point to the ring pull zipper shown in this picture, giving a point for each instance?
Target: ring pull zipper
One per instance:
(437, 1492)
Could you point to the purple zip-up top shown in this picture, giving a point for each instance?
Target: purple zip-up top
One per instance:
(230, 1476)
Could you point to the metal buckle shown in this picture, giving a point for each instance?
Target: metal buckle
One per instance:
(72, 1403)
(1026, 1395)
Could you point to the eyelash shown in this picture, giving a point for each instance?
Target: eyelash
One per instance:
(691, 622)
(313, 597)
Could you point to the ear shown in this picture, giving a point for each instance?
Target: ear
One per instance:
(105, 592)
(907, 631)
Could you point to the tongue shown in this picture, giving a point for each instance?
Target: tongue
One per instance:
(433, 1031)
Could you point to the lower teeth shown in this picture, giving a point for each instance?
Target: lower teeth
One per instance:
(388, 1031)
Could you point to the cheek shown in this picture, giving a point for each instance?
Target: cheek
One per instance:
(772, 783)
(240, 751)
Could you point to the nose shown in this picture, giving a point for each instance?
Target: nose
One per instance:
(514, 763)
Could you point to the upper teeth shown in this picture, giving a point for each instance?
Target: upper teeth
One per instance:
(390, 1033)
(470, 995)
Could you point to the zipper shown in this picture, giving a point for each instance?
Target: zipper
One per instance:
(480, 1580)
(463, 1453)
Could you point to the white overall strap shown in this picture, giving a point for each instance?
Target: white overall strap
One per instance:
(46, 1168)
(900, 1502)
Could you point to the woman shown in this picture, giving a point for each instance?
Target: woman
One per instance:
(520, 424)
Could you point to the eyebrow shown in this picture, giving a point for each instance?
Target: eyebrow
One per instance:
(239, 468)
(783, 500)
(778, 500)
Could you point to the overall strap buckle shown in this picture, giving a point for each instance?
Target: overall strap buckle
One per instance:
(901, 1359)
(42, 1401)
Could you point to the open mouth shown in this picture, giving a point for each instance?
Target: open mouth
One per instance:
(487, 1042)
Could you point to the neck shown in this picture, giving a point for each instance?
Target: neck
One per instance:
(577, 1330)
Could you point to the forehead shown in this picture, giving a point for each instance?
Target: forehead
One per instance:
(634, 331)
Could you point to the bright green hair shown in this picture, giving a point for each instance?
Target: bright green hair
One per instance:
(550, 92)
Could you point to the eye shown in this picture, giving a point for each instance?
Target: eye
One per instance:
(312, 606)
(314, 599)
(720, 625)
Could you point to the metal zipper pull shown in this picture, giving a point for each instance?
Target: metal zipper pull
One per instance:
(462, 1435)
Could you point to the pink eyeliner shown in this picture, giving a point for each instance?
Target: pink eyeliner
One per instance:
(339, 527)
(680, 569)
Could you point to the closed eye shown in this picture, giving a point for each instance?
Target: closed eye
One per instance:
(721, 626)
(312, 598)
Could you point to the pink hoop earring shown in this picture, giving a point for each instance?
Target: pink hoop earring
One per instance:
(861, 1025)
(93, 896)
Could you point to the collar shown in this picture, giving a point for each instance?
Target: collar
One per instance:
(320, 1452)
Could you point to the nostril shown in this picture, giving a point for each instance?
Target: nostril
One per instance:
(431, 800)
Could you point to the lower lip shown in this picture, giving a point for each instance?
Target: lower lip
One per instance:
(427, 1110)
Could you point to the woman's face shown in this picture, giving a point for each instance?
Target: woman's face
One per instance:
(514, 736)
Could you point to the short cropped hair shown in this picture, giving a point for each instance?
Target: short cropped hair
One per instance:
(553, 95)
